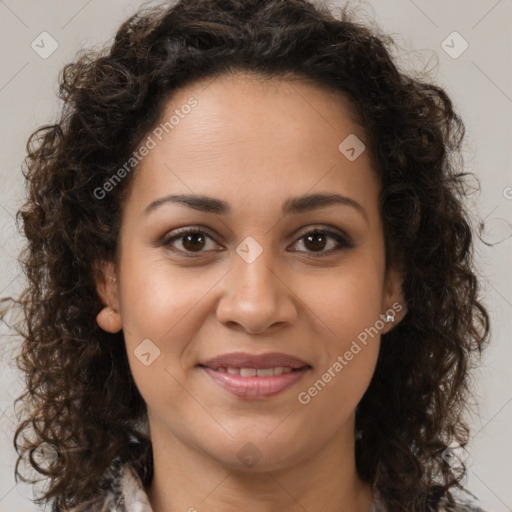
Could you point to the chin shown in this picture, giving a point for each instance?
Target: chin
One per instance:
(260, 453)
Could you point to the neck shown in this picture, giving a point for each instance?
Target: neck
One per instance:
(186, 479)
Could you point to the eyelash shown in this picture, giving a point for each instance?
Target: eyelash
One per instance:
(343, 241)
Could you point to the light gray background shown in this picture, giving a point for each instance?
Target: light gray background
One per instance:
(479, 82)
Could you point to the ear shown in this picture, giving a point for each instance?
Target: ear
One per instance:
(108, 318)
(393, 299)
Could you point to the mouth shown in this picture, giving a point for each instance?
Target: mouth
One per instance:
(256, 372)
(255, 376)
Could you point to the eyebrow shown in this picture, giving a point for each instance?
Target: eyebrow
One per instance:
(293, 205)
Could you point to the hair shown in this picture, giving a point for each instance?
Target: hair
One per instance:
(80, 397)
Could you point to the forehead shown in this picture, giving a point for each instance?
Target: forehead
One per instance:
(248, 107)
(242, 134)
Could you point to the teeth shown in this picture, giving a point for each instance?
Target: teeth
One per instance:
(265, 372)
(248, 372)
(253, 372)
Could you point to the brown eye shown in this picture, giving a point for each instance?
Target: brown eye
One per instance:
(320, 241)
(191, 241)
(317, 240)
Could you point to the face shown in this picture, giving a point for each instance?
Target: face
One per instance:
(252, 314)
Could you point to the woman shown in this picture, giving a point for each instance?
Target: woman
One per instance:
(251, 277)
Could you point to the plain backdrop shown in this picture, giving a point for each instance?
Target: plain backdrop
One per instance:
(466, 47)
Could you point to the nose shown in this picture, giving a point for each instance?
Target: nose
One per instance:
(255, 297)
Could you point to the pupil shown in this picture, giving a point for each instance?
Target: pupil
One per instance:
(193, 246)
(316, 236)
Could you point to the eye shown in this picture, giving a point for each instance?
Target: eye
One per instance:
(316, 241)
(193, 240)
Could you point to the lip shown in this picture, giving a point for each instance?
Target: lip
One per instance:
(255, 387)
(258, 361)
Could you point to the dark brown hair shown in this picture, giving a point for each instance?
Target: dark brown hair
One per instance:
(81, 398)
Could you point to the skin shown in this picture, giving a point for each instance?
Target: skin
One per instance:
(253, 144)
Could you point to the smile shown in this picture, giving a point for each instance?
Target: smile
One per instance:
(255, 376)
(255, 383)
(256, 372)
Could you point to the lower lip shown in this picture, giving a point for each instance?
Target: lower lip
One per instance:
(255, 387)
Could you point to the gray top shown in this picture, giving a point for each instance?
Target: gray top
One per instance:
(126, 494)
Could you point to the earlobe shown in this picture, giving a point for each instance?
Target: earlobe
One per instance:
(394, 302)
(108, 318)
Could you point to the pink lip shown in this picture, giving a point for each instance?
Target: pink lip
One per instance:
(245, 360)
(255, 387)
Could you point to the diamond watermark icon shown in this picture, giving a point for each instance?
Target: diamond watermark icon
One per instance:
(455, 455)
(352, 147)
(454, 45)
(249, 455)
(45, 455)
(249, 249)
(146, 352)
(44, 45)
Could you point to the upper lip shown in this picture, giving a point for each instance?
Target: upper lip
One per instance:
(258, 361)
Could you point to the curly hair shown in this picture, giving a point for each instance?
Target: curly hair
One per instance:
(80, 396)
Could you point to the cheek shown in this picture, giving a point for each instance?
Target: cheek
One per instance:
(347, 306)
(164, 305)
(157, 297)
(349, 348)
(332, 394)
(167, 310)
(349, 300)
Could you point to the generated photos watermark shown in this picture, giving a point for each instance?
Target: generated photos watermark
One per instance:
(150, 143)
(304, 397)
